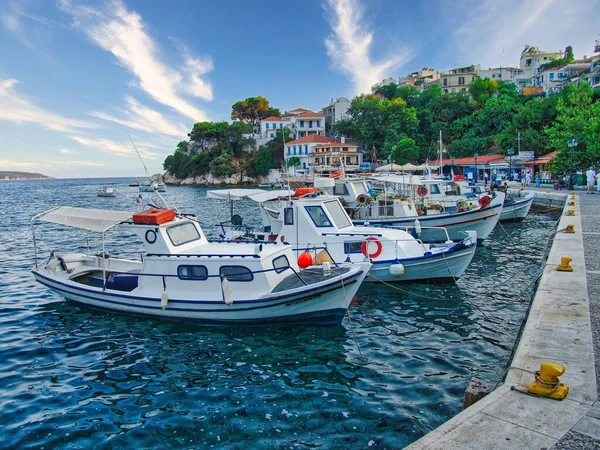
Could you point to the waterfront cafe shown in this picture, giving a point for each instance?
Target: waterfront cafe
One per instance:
(474, 168)
(542, 165)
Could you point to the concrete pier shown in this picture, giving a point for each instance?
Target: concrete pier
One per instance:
(557, 329)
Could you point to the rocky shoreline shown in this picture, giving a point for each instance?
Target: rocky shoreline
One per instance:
(209, 180)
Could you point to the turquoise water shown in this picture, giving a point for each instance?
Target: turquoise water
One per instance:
(72, 377)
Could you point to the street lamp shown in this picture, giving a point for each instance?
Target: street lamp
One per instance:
(476, 155)
(510, 152)
(572, 143)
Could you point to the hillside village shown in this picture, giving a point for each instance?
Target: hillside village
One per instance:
(488, 119)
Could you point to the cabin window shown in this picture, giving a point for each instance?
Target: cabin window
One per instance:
(434, 189)
(183, 233)
(288, 216)
(192, 272)
(318, 216)
(353, 247)
(338, 214)
(340, 189)
(236, 273)
(281, 264)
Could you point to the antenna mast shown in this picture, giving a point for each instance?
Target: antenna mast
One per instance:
(146, 169)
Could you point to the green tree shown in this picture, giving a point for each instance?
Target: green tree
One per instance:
(223, 165)
(293, 161)
(482, 90)
(252, 110)
(404, 151)
(578, 116)
(261, 163)
(389, 91)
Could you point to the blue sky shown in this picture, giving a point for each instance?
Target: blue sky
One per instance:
(78, 77)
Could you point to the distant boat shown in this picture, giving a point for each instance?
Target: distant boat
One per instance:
(109, 190)
(136, 184)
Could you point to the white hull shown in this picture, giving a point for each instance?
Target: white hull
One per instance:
(448, 266)
(321, 303)
(481, 221)
(516, 210)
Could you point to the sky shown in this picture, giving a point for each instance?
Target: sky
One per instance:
(80, 80)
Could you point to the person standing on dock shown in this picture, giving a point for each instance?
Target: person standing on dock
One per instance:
(591, 180)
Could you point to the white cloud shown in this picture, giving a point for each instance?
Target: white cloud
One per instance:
(115, 148)
(16, 108)
(140, 117)
(494, 32)
(123, 33)
(66, 151)
(29, 36)
(349, 46)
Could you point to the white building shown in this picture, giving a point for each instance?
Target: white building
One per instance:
(383, 82)
(531, 60)
(335, 111)
(303, 149)
(459, 79)
(501, 73)
(336, 155)
(304, 122)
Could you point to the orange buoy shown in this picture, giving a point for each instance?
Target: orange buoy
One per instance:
(305, 259)
(485, 201)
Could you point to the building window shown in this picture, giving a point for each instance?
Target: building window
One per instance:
(310, 123)
(446, 82)
(551, 76)
(266, 126)
(318, 123)
(306, 149)
(280, 126)
(302, 124)
(271, 135)
(461, 80)
(294, 149)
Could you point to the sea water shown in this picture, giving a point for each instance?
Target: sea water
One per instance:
(397, 367)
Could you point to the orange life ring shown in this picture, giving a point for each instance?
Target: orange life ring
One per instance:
(377, 252)
(422, 190)
(485, 202)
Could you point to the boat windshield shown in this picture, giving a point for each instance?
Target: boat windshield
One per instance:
(337, 213)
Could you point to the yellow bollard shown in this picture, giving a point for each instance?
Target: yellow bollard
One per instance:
(571, 203)
(570, 228)
(547, 191)
(570, 212)
(565, 264)
(547, 383)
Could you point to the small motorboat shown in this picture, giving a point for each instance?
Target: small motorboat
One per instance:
(516, 206)
(183, 276)
(109, 190)
(310, 220)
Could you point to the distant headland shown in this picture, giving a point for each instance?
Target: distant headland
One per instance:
(16, 175)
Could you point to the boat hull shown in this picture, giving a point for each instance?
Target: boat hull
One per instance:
(448, 266)
(481, 221)
(516, 210)
(323, 303)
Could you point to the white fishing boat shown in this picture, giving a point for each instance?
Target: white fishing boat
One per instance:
(147, 186)
(414, 203)
(516, 206)
(316, 223)
(109, 190)
(183, 276)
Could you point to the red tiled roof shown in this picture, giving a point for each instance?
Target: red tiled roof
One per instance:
(483, 159)
(314, 138)
(310, 114)
(273, 119)
(299, 109)
(336, 144)
(544, 159)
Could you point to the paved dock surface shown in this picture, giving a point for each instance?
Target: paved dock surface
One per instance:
(563, 326)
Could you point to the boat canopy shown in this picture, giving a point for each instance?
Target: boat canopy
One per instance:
(257, 195)
(98, 220)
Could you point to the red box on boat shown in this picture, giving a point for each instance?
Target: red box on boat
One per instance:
(154, 216)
